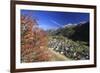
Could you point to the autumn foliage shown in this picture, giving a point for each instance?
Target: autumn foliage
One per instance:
(33, 40)
(34, 43)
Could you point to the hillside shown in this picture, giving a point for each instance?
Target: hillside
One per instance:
(71, 41)
(67, 43)
(79, 32)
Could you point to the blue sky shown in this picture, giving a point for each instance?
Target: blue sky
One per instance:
(52, 20)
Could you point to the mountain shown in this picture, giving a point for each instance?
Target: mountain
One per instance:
(81, 32)
(69, 25)
(77, 32)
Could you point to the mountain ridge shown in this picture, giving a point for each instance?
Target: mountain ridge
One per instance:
(75, 32)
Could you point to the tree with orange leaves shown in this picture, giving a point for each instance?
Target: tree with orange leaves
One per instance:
(32, 38)
(34, 42)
